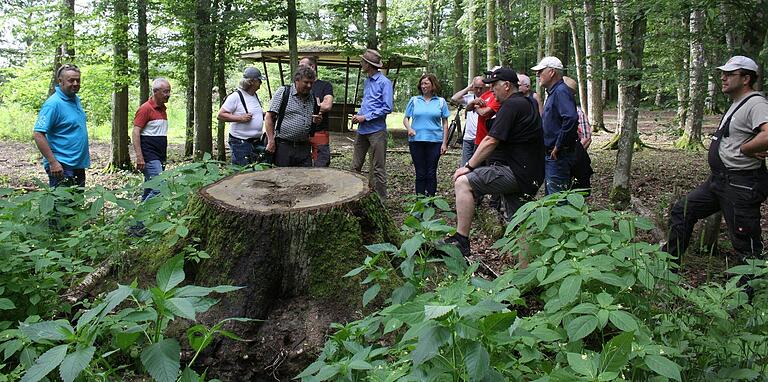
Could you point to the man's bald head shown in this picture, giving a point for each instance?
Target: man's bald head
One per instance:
(524, 84)
(478, 86)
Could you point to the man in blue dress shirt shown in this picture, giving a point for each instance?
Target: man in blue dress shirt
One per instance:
(60, 133)
(372, 120)
(559, 121)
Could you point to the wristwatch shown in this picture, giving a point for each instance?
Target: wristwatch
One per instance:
(469, 167)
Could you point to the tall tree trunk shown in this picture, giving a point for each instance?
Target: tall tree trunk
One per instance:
(503, 31)
(371, 41)
(577, 59)
(189, 60)
(605, 45)
(430, 35)
(630, 36)
(458, 56)
(710, 103)
(472, 41)
(550, 42)
(593, 61)
(541, 42)
(143, 50)
(221, 76)
(204, 39)
(293, 47)
(491, 57)
(381, 22)
(691, 138)
(682, 84)
(65, 50)
(120, 156)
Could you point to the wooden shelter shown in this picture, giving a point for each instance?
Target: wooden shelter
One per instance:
(331, 57)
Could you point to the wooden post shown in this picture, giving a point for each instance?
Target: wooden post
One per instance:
(282, 76)
(344, 105)
(269, 88)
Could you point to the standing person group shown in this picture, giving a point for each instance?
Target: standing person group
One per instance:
(426, 120)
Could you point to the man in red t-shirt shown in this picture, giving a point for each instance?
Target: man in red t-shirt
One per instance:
(150, 134)
(486, 107)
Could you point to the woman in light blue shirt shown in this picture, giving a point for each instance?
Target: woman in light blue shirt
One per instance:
(426, 119)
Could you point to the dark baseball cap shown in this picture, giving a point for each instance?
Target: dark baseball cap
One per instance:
(502, 74)
(253, 73)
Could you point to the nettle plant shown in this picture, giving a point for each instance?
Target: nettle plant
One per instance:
(86, 349)
(593, 304)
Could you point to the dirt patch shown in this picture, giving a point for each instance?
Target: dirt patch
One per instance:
(289, 197)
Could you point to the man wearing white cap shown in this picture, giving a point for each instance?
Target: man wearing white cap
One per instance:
(559, 121)
(738, 183)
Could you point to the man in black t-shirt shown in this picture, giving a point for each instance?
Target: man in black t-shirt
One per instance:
(513, 151)
(322, 91)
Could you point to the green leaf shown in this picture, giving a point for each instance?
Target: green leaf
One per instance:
(189, 375)
(45, 364)
(442, 204)
(327, 372)
(198, 337)
(58, 330)
(482, 308)
(181, 307)
(430, 341)
(646, 278)
(371, 293)
(576, 200)
(604, 299)
(160, 227)
(11, 347)
(359, 364)
(380, 248)
(623, 321)
(113, 299)
(625, 229)
(498, 321)
(663, 366)
(74, 363)
(477, 360)
(562, 270)
(6, 304)
(355, 272)
(410, 313)
(546, 334)
(541, 217)
(46, 204)
(436, 311)
(413, 244)
(583, 364)
(581, 236)
(570, 288)
(403, 293)
(581, 327)
(162, 360)
(616, 352)
(171, 273)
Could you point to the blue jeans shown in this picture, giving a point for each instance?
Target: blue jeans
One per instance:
(425, 156)
(557, 172)
(152, 169)
(71, 177)
(467, 150)
(242, 151)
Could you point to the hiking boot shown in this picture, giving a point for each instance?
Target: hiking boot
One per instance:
(458, 241)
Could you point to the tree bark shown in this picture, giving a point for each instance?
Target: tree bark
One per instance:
(550, 42)
(458, 55)
(630, 39)
(472, 41)
(293, 47)
(65, 51)
(143, 50)
(189, 58)
(503, 32)
(682, 85)
(288, 236)
(203, 79)
(221, 76)
(593, 61)
(381, 23)
(120, 156)
(577, 59)
(491, 58)
(605, 45)
(691, 138)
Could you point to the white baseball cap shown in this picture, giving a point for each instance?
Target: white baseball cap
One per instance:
(739, 62)
(548, 62)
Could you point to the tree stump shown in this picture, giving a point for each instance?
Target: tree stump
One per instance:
(288, 235)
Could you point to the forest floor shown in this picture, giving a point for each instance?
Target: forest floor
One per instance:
(660, 174)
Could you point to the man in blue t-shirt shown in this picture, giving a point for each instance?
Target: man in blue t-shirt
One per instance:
(60, 132)
(559, 121)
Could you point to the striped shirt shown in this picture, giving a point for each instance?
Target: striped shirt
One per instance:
(298, 115)
(584, 130)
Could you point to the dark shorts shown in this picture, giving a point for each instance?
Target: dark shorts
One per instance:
(493, 179)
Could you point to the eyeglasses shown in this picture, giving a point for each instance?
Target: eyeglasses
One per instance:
(730, 74)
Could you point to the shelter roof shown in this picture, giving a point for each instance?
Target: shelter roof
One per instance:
(328, 55)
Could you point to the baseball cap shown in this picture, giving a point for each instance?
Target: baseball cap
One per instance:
(739, 62)
(502, 74)
(251, 72)
(548, 62)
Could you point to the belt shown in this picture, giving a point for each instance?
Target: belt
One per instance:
(291, 143)
(251, 140)
(563, 149)
(729, 173)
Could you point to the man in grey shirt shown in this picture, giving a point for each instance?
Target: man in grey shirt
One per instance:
(738, 183)
(288, 134)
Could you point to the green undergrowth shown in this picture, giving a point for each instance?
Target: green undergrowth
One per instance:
(593, 304)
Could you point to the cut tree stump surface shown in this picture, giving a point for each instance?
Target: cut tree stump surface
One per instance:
(285, 189)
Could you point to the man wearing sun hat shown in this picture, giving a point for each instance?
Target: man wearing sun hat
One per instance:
(372, 120)
(559, 121)
(509, 161)
(738, 183)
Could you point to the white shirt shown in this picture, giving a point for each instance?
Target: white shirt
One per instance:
(245, 130)
(470, 127)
